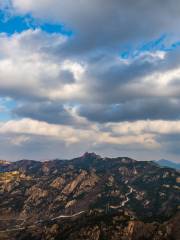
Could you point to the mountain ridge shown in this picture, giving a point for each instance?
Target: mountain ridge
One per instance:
(83, 192)
(168, 163)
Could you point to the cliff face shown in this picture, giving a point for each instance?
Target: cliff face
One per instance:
(89, 198)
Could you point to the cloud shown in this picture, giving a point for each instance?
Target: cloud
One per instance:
(140, 135)
(32, 69)
(81, 92)
(113, 80)
(28, 71)
(67, 134)
(116, 89)
(46, 111)
(50, 112)
(111, 24)
(140, 127)
(39, 128)
(154, 109)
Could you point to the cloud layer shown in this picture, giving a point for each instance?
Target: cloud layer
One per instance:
(101, 23)
(81, 93)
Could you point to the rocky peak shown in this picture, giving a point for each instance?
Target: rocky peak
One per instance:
(90, 155)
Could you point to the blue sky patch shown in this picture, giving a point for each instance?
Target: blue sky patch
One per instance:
(159, 44)
(6, 107)
(17, 24)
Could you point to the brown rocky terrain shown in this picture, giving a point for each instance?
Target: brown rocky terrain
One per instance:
(89, 197)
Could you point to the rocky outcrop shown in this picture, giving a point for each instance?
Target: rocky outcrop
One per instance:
(58, 183)
(71, 186)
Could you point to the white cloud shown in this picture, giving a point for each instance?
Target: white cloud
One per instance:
(31, 65)
(143, 127)
(32, 127)
(140, 132)
(27, 69)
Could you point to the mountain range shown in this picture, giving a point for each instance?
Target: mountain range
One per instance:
(167, 163)
(89, 197)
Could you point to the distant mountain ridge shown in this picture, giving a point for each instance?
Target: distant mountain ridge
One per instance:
(168, 163)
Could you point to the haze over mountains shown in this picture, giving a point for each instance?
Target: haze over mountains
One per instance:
(89, 197)
(167, 163)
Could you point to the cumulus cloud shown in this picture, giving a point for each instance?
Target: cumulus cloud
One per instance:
(125, 134)
(27, 70)
(102, 23)
(139, 135)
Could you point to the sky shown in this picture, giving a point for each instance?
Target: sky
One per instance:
(99, 76)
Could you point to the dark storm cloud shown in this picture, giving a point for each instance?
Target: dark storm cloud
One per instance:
(154, 109)
(115, 24)
(50, 112)
(99, 23)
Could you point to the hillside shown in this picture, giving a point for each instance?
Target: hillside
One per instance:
(89, 197)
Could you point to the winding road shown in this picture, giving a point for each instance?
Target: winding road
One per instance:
(125, 201)
(18, 228)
